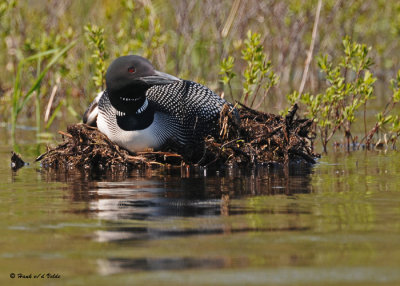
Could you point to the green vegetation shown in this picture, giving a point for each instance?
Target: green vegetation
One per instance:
(350, 87)
(387, 120)
(95, 36)
(253, 51)
(19, 100)
(227, 73)
(258, 76)
(258, 72)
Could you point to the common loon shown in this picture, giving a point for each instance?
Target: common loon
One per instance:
(143, 108)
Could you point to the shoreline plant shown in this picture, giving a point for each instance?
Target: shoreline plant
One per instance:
(350, 86)
(20, 98)
(258, 78)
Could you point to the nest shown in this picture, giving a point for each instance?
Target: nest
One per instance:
(259, 138)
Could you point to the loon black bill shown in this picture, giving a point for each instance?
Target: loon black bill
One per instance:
(159, 78)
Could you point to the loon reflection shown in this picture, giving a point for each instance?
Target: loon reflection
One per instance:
(154, 205)
(147, 195)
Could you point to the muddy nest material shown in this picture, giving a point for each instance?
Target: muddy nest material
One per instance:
(86, 147)
(260, 138)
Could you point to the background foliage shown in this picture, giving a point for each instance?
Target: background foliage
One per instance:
(190, 39)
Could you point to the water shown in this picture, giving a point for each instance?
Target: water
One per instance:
(335, 224)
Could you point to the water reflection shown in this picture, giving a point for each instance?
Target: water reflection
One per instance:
(150, 205)
(273, 225)
(144, 195)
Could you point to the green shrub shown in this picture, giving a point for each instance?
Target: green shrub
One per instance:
(350, 87)
(95, 37)
(258, 76)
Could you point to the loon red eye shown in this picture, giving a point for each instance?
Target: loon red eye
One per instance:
(131, 70)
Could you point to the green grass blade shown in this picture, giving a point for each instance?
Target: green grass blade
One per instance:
(38, 81)
(72, 111)
(17, 83)
(40, 55)
(15, 98)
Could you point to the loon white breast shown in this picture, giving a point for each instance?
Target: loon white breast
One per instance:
(143, 108)
(136, 137)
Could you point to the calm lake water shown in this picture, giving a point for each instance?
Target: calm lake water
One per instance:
(337, 223)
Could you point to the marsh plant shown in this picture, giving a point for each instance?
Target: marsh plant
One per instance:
(350, 86)
(258, 76)
(20, 98)
(387, 122)
(95, 37)
(142, 35)
(226, 72)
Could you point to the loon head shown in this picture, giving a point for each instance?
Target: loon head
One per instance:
(127, 80)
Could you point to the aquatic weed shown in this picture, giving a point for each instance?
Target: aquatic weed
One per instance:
(350, 87)
(19, 98)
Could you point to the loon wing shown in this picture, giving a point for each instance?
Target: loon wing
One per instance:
(186, 100)
(90, 115)
(194, 109)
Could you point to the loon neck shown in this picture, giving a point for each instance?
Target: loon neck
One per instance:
(139, 111)
(128, 100)
(141, 119)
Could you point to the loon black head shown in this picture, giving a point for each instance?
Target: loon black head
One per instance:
(127, 80)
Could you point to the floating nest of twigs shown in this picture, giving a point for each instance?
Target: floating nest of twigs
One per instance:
(259, 138)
